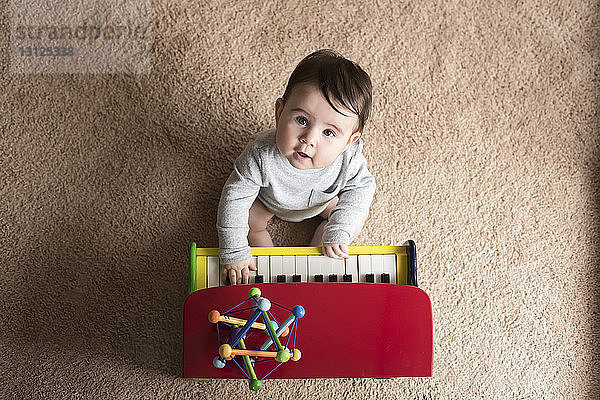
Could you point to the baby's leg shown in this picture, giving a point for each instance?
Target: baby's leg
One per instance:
(258, 217)
(317, 239)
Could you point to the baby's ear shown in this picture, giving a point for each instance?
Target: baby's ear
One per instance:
(278, 109)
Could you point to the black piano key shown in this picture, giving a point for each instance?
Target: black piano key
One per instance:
(296, 278)
(370, 278)
(385, 278)
(332, 278)
(280, 278)
(318, 278)
(227, 281)
(258, 279)
(347, 278)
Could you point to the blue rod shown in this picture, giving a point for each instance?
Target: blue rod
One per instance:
(236, 371)
(272, 317)
(241, 369)
(295, 326)
(246, 327)
(237, 305)
(238, 311)
(277, 366)
(278, 305)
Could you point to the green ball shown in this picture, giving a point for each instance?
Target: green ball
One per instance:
(283, 355)
(254, 292)
(255, 384)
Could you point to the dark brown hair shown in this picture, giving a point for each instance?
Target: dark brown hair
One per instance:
(337, 77)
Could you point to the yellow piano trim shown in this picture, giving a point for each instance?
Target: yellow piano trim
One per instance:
(405, 259)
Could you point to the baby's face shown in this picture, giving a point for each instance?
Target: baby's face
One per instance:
(310, 133)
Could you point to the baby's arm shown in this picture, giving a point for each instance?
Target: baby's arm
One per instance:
(347, 217)
(239, 192)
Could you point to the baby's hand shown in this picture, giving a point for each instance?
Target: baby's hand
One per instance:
(238, 271)
(335, 250)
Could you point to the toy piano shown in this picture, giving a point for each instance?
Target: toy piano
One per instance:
(304, 315)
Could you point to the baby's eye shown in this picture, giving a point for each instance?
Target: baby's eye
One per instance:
(302, 121)
(328, 133)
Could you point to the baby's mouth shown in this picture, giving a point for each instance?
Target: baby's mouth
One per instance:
(303, 155)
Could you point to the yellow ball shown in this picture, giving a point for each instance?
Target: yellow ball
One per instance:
(297, 355)
(213, 316)
(225, 350)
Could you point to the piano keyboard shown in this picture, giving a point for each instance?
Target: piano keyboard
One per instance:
(366, 264)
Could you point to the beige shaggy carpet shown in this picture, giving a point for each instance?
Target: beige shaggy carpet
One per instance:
(484, 141)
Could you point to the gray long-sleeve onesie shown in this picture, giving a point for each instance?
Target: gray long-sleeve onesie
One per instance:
(292, 194)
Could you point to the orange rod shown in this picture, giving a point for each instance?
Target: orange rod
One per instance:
(255, 353)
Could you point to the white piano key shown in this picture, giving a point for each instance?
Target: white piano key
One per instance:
(364, 267)
(323, 265)
(314, 267)
(389, 266)
(333, 267)
(252, 274)
(351, 267)
(221, 281)
(288, 267)
(276, 267)
(263, 268)
(301, 267)
(377, 266)
(213, 271)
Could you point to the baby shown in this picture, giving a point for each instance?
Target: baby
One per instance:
(310, 164)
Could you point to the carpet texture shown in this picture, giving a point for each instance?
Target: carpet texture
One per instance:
(484, 141)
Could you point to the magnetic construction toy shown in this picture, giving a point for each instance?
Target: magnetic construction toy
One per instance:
(239, 329)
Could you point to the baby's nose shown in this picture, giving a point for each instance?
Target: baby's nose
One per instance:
(310, 138)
